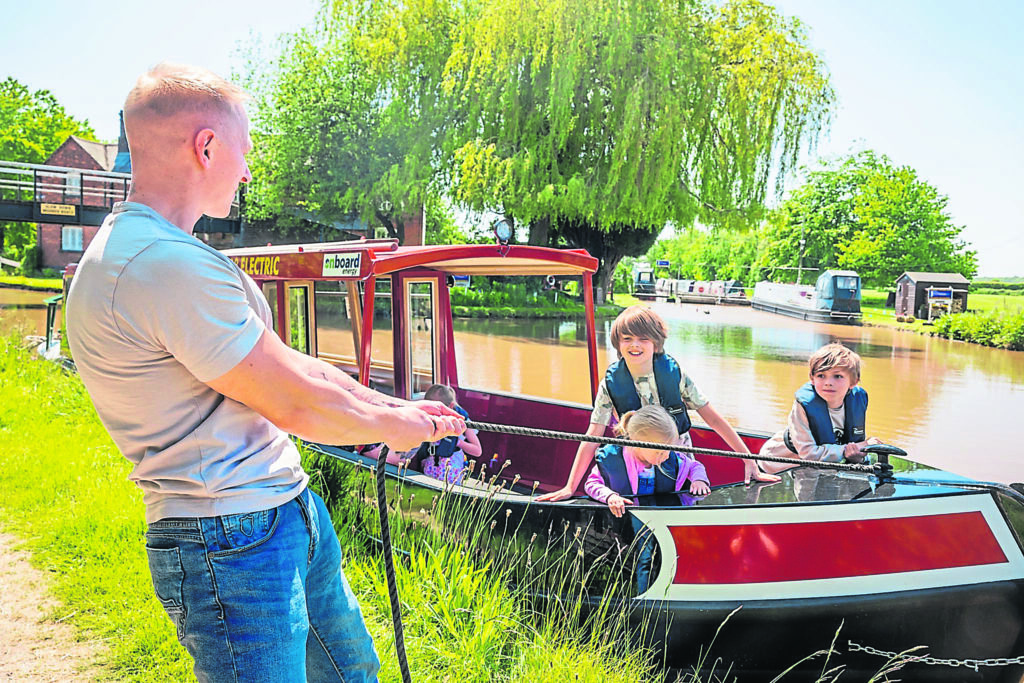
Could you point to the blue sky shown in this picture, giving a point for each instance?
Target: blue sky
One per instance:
(933, 84)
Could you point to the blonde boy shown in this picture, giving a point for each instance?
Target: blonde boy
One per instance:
(827, 421)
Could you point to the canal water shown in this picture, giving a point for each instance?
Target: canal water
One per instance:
(23, 310)
(949, 404)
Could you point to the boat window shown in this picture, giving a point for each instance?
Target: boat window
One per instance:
(298, 318)
(270, 291)
(543, 358)
(422, 348)
(846, 282)
(382, 350)
(336, 335)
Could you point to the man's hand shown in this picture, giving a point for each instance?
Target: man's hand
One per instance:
(436, 408)
(617, 504)
(560, 494)
(416, 426)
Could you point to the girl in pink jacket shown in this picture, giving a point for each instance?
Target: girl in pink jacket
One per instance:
(623, 472)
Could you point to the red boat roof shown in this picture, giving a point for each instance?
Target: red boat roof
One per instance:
(360, 259)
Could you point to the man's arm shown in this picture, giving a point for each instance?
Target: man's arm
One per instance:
(314, 401)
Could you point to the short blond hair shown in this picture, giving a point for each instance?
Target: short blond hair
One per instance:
(651, 420)
(640, 321)
(835, 355)
(169, 89)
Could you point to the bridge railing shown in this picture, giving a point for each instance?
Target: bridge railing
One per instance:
(27, 183)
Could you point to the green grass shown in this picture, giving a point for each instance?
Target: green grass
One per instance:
(44, 283)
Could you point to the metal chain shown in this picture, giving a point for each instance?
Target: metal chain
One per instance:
(878, 469)
(973, 664)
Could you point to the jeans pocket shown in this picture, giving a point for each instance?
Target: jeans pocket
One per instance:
(168, 580)
(246, 531)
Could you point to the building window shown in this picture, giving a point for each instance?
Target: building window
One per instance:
(73, 187)
(70, 238)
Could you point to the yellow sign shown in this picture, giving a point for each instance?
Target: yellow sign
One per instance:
(57, 209)
(259, 265)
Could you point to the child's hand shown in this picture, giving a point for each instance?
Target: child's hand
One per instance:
(560, 494)
(874, 441)
(851, 451)
(700, 488)
(751, 472)
(617, 504)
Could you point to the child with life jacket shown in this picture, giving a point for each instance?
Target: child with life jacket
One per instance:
(622, 473)
(444, 459)
(646, 375)
(827, 420)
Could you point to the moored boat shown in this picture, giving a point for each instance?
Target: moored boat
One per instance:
(835, 297)
(922, 558)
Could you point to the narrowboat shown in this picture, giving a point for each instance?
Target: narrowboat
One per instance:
(644, 284)
(835, 297)
(890, 562)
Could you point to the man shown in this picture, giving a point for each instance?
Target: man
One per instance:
(176, 347)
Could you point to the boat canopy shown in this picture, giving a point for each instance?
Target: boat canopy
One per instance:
(360, 259)
(837, 284)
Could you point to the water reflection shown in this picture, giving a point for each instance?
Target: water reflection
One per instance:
(23, 310)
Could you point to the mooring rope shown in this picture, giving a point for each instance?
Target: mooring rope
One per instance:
(389, 566)
(880, 469)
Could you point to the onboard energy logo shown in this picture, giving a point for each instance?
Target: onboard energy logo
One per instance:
(342, 265)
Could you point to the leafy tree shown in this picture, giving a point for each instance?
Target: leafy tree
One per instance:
(594, 122)
(866, 214)
(32, 126)
(674, 112)
(342, 126)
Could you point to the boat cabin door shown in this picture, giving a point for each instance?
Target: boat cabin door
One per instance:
(422, 360)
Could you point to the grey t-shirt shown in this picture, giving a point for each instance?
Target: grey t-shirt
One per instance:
(152, 314)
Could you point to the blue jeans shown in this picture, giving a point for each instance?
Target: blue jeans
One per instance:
(261, 596)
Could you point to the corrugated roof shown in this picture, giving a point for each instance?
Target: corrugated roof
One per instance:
(104, 153)
(951, 278)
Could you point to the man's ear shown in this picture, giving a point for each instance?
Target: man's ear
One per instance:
(202, 146)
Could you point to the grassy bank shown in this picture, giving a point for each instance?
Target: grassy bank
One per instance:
(875, 312)
(64, 490)
(47, 284)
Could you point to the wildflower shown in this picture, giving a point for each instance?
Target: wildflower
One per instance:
(494, 523)
(508, 512)
(533, 538)
(515, 480)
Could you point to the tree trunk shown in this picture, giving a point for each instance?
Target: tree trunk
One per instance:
(540, 233)
(394, 228)
(608, 246)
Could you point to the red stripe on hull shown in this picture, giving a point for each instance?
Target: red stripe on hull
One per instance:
(800, 551)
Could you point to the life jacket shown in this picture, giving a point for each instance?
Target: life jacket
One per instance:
(667, 376)
(855, 408)
(437, 450)
(612, 466)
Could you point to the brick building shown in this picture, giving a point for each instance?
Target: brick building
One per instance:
(61, 245)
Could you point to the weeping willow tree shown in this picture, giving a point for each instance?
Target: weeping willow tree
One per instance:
(344, 124)
(594, 122)
(597, 122)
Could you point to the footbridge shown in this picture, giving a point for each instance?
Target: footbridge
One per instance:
(35, 193)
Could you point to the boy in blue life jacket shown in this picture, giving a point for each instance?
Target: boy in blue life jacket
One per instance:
(646, 375)
(827, 421)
